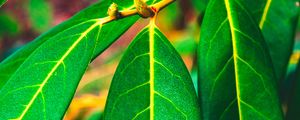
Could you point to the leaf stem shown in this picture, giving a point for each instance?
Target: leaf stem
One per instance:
(126, 13)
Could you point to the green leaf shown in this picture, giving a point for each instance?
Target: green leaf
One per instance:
(40, 15)
(43, 76)
(294, 105)
(236, 76)
(277, 20)
(151, 82)
(2, 2)
(12, 63)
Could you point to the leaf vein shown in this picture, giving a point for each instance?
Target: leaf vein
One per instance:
(258, 74)
(141, 112)
(173, 74)
(218, 76)
(170, 101)
(252, 108)
(54, 69)
(126, 92)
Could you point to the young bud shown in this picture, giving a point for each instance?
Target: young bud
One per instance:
(113, 10)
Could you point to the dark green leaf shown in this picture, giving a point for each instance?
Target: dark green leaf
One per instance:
(40, 15)
(236, 77)
(151, 82)
(43, 76)
(294, 104)
(277, 20)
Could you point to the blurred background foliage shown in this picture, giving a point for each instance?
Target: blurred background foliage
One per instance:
(22, 21)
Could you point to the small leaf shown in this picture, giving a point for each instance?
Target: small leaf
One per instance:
(236, 77)
(43, 76)
(151, 82)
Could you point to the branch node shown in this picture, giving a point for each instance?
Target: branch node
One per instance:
(143, 9)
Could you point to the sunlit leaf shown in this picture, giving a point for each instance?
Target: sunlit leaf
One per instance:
(151, 82)
(43, 76)
(236, 76)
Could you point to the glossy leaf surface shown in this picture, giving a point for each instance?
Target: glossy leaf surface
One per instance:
(236, 76)
(151, 82)
(277, 20)
(43, 76)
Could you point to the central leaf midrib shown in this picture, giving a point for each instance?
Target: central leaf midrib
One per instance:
(265, 13)
(235, 54)
(151, 55)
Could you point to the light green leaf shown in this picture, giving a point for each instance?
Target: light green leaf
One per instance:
(236, 76)
(151, 82)
(40, 15)
(12, 63)
(43, 76)
(277, 20)
(294, 105)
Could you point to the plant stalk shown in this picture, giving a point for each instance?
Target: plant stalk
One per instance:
(126, 13)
